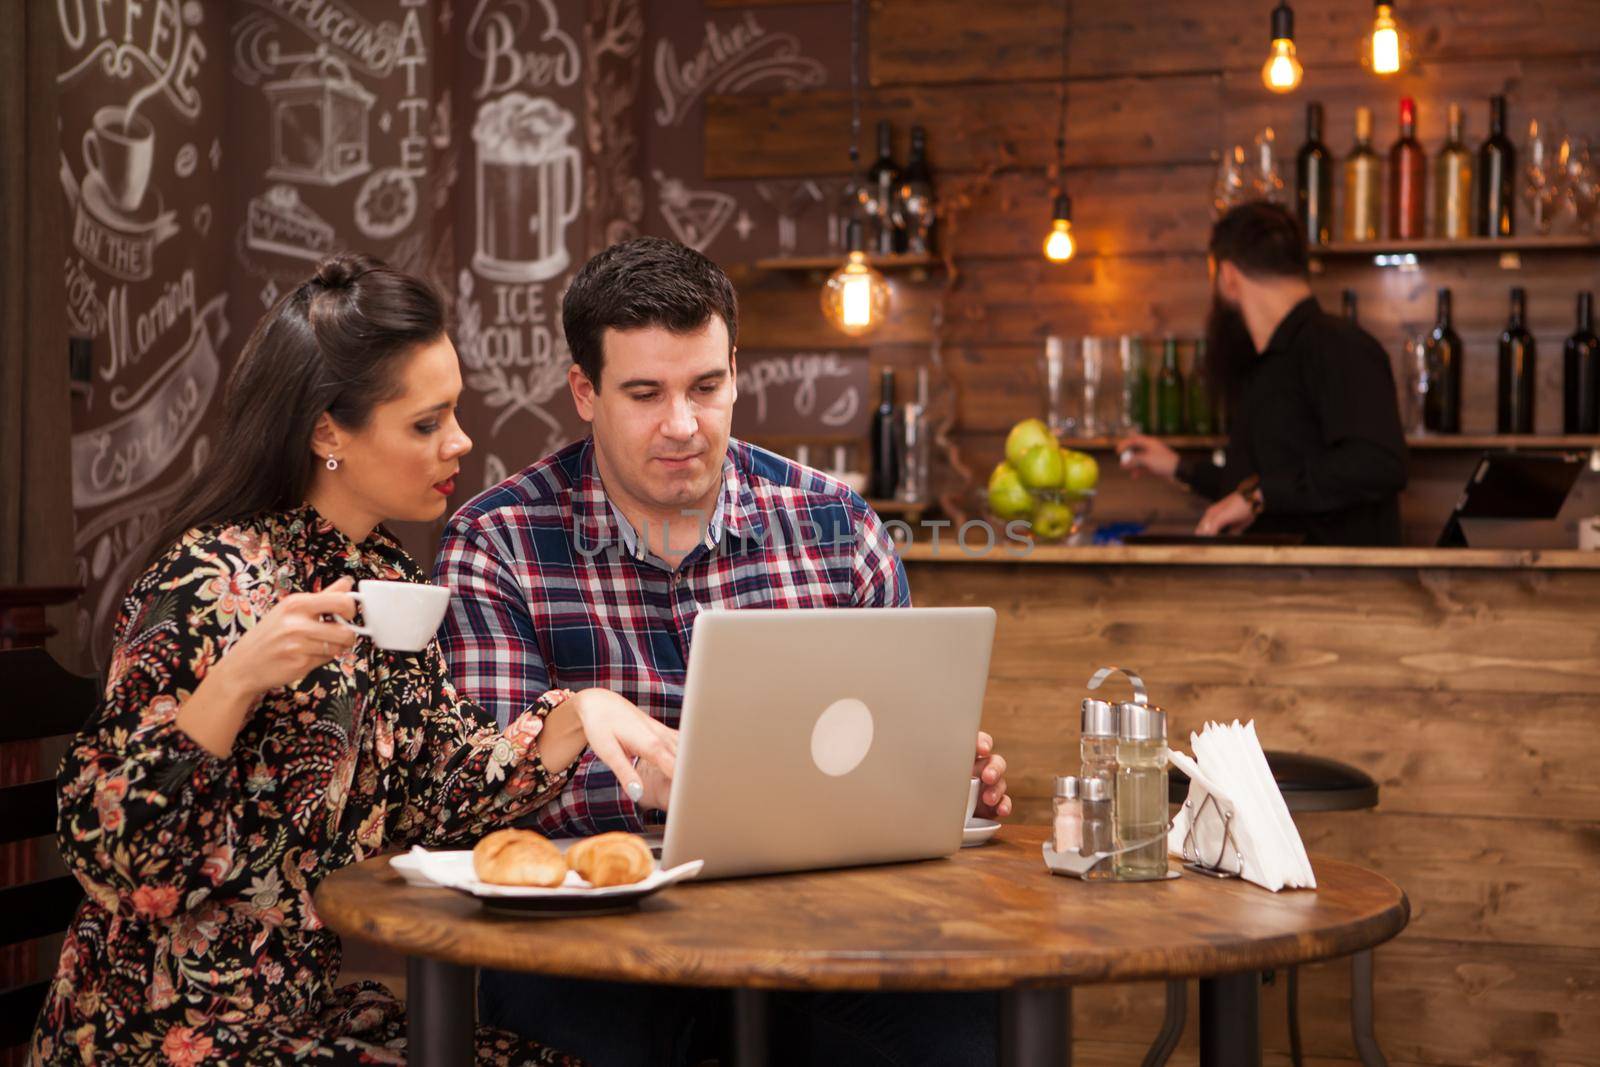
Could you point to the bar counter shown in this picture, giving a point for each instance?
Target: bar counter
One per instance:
(1464, 681)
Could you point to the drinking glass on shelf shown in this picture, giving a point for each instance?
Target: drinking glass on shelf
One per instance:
(1415, 376)
(1265, 181)
(1580, 179)
(1231, 186)
(790, 199)
(1541, 177)
(1071, 376)
(1093, 355)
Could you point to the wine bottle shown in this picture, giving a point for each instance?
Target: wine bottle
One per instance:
(1202, 419)
(886, 233)
(1581, 378)
(1347, 299)
(1441, 412)
(1363, 172)
(1169, 391)
(885, 481)
(917, 205)
(1407, 177)
(1519, 371)
(1452, 184)
(1497, 177)
(1313, 190)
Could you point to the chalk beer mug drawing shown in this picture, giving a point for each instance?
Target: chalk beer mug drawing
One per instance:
(530, 186)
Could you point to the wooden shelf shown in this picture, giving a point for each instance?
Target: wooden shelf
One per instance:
(1463, 246)
(1461, 442)
(882, 263)
(1467, 442)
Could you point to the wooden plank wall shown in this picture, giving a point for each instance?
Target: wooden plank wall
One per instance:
(1157, 88)
(1470, 696)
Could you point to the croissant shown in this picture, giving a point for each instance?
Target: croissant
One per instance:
(518, 857)
(611, 859)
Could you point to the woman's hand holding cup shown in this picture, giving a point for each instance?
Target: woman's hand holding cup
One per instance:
(290, 641)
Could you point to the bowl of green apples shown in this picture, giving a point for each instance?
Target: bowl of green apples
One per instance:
(1039, 482)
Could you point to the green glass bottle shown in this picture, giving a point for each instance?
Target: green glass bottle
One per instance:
(1201, 417)
(1169, 391)
(1137, 368)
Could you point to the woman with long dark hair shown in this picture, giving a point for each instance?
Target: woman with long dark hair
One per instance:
(249, 743)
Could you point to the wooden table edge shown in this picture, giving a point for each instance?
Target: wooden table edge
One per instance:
(801, 971)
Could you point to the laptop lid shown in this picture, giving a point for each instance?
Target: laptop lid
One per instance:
(826, 737)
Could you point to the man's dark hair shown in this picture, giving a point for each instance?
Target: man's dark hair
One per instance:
(648, 281)
(1262, 239)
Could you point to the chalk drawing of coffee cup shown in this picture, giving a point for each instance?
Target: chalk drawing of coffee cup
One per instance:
(530, 186)
(119, 151)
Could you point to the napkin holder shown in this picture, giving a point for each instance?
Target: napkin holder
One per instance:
(1212, 867)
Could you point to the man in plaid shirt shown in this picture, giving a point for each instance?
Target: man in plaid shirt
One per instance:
(585, 572)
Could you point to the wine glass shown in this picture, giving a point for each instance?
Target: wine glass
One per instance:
(1541, 177)
(1580, 179)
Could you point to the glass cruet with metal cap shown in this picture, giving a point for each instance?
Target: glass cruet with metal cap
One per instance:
(1141, 797)
(1097, 744)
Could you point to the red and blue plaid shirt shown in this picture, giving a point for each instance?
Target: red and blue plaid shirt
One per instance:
(550, 591)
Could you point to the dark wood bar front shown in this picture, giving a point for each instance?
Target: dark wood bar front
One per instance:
(1464, 682)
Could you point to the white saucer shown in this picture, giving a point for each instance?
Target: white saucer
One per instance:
(978, 831)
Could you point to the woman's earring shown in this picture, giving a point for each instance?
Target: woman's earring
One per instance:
(333, 464)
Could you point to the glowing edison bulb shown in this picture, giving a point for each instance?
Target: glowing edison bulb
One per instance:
(1059, 245)
(1385, 49)
(1282, 71)
(855, 298)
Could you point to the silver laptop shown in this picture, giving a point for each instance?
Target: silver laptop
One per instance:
(826, 737)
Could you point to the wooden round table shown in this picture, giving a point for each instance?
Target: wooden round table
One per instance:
(989, 918)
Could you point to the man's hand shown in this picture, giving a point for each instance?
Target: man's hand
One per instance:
(990, 769)
(1139, 453)
(1231, 514)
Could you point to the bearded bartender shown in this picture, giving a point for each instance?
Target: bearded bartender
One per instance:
(1315, 447)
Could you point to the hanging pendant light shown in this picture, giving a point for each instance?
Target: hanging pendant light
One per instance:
(1282, 71)
(1059, 245)
(1388, 50)
(855, 298)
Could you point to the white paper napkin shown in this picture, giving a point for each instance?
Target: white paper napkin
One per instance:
(1230, 767)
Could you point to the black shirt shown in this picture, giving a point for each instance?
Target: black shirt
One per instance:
(1316, 418)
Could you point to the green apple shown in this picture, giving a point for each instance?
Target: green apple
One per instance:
(1052, 521)
(1003, 474)
(1009, 500)
(1082, 473)
(1042, 467)
(1024, 437)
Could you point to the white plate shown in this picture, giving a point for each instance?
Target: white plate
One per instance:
(453, 870)
(977, 831)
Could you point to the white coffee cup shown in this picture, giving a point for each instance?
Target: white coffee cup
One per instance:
(972, 798)
(400, 616)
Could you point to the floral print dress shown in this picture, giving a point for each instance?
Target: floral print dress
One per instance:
(198, 942)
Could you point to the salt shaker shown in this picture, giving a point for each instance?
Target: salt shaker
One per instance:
(1068, 815)
(1094, 805)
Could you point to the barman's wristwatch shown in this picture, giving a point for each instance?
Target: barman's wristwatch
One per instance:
(1250, 489)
